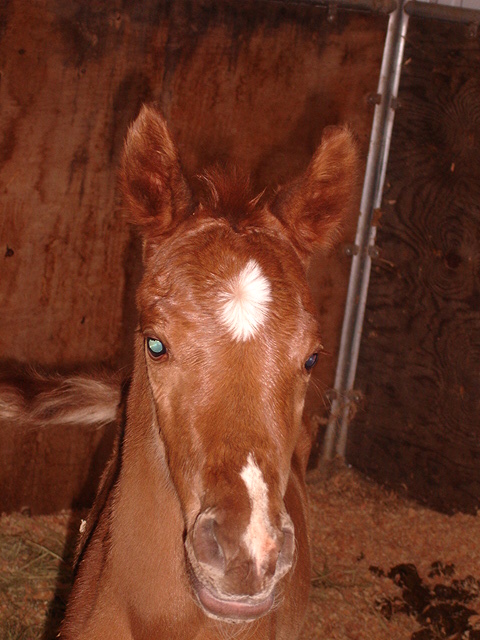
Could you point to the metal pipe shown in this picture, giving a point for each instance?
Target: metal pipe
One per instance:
(336, 434)
(442, 12)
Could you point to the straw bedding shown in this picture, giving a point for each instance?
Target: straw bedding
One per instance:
(384, 567)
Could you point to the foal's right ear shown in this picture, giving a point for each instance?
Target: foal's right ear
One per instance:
(155, 192)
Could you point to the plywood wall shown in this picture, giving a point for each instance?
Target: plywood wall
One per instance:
(252, 83)
(419, 367)
(249, 83)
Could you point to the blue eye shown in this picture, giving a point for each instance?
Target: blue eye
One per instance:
(155, 347)
(311, 362)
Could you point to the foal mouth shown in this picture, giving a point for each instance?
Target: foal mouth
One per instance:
(240, 609)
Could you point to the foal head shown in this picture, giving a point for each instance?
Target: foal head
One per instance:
(228, 338)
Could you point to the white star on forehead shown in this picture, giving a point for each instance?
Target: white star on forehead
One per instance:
(244, 302)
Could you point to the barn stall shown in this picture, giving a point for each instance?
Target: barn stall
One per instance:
(255, 84)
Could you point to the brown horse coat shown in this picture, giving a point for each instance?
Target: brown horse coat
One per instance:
(200, 526)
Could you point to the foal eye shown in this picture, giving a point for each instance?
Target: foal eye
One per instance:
(155, 347)
(311, 362)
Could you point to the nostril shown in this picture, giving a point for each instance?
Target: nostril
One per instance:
(287, 550)
(288, 540)
(272, 563)
(205, 543)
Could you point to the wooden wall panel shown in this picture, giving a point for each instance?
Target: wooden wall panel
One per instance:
(420, 356)
(249, 83)
(65, 108)
(52, 468)
(252, 83)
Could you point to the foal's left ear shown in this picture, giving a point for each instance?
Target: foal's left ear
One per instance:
(314, 207)
(155, 192)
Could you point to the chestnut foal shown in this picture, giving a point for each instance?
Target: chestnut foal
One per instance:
(200, 526)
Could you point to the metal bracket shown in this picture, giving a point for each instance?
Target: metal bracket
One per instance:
(374, 98)
(332, 12)
(395, 103)
(353, 250)
(472, 32)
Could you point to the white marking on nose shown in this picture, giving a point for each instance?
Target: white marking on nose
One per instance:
(244, 302)
(258, 536)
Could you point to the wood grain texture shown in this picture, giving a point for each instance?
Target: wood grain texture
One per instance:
(53, 468)
(249, 83)
(69, 89)
(420, 356)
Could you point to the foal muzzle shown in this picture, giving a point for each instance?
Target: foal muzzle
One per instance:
(231, 581)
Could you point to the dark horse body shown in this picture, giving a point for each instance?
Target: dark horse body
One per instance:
(200, 526)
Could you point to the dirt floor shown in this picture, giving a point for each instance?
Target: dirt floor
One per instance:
(384, 567)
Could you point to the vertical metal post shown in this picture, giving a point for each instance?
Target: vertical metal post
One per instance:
(336, 434)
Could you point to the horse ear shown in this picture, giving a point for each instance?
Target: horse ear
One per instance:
(154, 189)
(313, 207)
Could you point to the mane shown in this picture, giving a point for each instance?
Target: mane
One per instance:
(227, 193)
